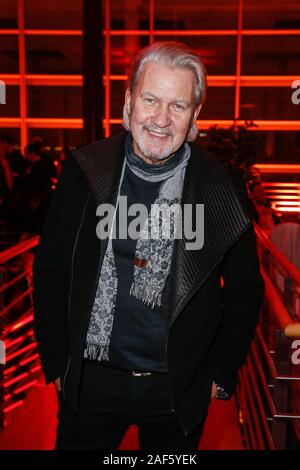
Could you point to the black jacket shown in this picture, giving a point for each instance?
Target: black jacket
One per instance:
(210, 328)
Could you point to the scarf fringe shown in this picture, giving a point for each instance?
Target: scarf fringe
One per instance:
(146, 294)
(96, 352)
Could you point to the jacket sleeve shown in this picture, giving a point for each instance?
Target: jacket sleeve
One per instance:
(50, 280)
(242, 296)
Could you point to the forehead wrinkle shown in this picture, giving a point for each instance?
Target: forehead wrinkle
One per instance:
(173, 100)
(162, 79)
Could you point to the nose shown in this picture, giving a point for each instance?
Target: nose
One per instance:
(161, 117)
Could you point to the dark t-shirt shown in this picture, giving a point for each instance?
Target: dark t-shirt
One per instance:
(139, 332)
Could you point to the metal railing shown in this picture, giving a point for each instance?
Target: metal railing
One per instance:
(269, 388)
(268, 393)
(20, 367)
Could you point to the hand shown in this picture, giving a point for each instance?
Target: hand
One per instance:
(213, 391)
(57, 384)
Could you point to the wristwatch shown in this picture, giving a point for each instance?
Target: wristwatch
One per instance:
(221, 394)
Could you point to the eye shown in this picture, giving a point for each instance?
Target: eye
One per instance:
(178, 107)
(149, 101)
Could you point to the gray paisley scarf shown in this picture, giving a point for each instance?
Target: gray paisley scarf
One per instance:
(153, 249)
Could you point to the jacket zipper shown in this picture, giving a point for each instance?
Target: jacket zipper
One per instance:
(73, 253)
(175, 316)
(102, 251)
(64, 381)
(96, 284)
(71, 284)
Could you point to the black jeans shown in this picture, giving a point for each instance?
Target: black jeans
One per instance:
(110, 401)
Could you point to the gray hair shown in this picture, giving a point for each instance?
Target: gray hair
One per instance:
(171, 54)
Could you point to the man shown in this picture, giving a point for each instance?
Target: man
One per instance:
(33, 191)
(139, 330)
(17, 163)
(6, 183)
(260, 206)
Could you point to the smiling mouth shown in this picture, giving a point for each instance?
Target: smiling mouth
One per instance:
(158, 134)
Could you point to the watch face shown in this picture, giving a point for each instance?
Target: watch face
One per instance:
(221, 394)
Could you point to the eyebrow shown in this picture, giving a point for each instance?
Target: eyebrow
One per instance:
(176, 100)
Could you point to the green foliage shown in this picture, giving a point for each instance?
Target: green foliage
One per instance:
(237, 147)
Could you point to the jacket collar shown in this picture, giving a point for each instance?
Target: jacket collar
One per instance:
(206, 182)
(101, 162)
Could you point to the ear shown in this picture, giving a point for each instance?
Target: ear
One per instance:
(196, 112)
(128, 100)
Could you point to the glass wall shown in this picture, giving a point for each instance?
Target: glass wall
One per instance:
(251, 50)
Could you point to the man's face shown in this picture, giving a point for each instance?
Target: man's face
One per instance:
(161, 111)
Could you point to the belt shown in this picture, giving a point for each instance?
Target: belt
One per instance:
(133, 373)
(139, 374)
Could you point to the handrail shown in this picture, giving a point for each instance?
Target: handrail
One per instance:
(13, 281)
(276, 253)
(286, 323)
(14, 302)
(292, 330)
(17, 331)
(266, 380)
(16, 250)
